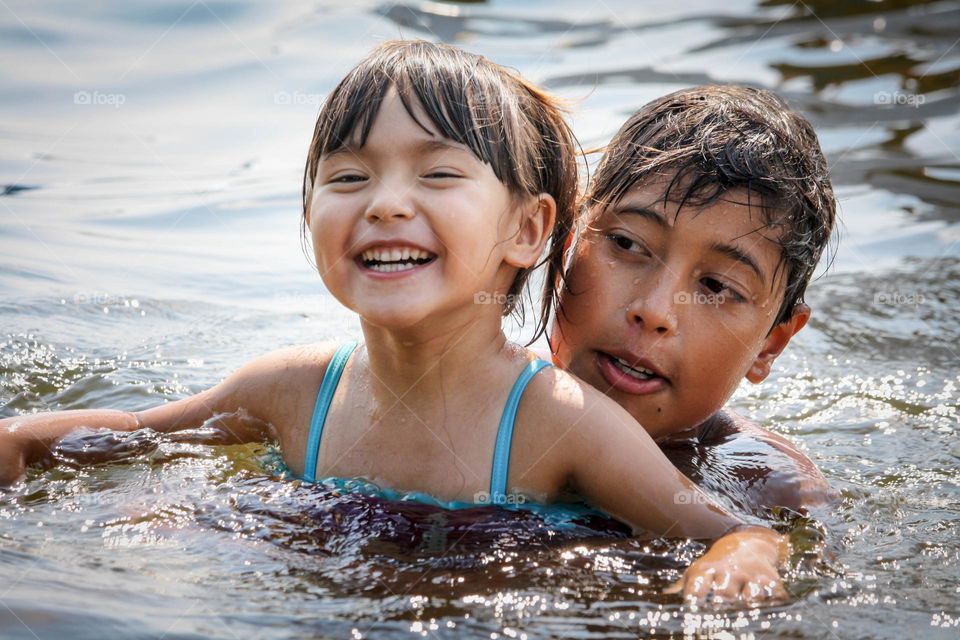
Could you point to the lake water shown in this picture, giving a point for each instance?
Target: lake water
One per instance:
(150, 159)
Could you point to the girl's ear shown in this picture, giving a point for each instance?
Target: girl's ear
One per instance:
(776, 342)
(525, 247)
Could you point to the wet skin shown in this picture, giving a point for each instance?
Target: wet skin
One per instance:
(752, 466)
(666, 309)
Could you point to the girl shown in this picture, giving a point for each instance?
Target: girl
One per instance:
(433, 182)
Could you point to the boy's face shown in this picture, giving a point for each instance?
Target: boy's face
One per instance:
(667, 310)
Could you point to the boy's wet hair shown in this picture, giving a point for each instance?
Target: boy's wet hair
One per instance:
(711, 139)
(507, 123)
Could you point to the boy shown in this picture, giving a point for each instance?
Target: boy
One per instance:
(699, 233)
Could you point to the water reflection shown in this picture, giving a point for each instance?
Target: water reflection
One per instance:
(105, 207)
(895, 73)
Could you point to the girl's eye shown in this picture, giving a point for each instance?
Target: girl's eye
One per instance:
(721, 289)
(349, 178)
(442, 174)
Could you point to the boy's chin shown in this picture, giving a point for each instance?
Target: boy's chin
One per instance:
(656, 417)
(666, 425)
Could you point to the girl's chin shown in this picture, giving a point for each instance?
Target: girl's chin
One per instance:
(396, 319)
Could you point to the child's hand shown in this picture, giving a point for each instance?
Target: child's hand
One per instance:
(740, 567)
(13, 458)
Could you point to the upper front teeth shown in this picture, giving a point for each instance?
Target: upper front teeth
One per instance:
(394, 254)
(626, 365)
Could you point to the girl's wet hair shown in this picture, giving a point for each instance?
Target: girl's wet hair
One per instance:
(712, 139)
(507, 123)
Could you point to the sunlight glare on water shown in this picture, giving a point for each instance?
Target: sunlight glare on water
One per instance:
(151, 167)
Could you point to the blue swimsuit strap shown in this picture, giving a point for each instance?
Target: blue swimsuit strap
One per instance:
(331, 378)
(501, 454)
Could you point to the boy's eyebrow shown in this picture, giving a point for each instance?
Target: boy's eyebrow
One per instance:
(643, 213)
(740, 256)
(719, 247)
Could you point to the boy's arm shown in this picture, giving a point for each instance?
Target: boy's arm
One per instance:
(244, 405)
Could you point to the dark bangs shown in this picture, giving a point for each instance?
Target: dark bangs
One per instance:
(466, 98)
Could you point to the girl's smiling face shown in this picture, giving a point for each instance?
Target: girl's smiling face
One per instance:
(410, 223)
(666, 309)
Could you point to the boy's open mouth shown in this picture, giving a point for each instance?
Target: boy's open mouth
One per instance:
(630, 376)
(393, 259)
(635, 372)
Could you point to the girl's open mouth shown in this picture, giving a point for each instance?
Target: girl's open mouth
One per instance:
(395, 259)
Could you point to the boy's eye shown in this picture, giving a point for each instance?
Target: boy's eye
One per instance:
(625, 243)
(720, 288)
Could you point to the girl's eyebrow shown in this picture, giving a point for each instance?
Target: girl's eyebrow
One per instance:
(423, 147)
(440, 144)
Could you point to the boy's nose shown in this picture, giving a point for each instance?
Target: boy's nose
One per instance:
(653, 309)
(389, 202)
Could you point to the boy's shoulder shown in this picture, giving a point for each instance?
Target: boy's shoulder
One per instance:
(734, 451)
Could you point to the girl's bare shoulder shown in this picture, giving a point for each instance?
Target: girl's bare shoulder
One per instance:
(271, 389)
(566, 409)
(284, 370)
(280, 387)
(560, 394)
(565, 425)
(291, 360)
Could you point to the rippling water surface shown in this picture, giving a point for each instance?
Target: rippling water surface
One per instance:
(150, 159)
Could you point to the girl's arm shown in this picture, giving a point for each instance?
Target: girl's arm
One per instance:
(617, 467)
(244, 404)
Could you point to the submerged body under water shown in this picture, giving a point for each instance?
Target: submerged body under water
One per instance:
(231, 521)
(150, 245)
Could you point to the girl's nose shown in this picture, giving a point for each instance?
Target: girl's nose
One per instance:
(389, 202)
(654, 307)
